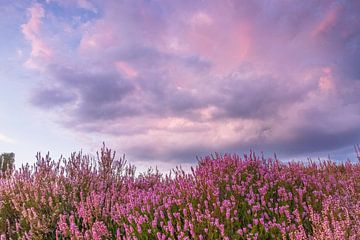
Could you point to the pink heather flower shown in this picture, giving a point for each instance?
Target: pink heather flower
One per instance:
(171, 228)
(154, 223)
(104, 197)
(158, 235)
(62, 224)
(139, 228)
(185, 212)
(99, 230)
(227, 213)
(118, 234)
(95, 235)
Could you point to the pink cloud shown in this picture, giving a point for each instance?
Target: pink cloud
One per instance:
(327, 22)
(326, 82)
(98, 36)
(31, 31)
(219, 34)
(200, 19)
(125, 69)
(32, 27)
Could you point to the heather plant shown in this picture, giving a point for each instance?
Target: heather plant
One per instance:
(223, 197)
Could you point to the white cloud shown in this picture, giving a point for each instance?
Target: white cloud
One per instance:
(6, 139)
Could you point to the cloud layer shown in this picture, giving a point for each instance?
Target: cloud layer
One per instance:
(170, 80)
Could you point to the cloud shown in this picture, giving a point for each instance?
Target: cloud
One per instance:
(6, 139)
(328, 21)
(52, 97)
(31, 31)
(167, 81)
(125, 69)
(83, 4)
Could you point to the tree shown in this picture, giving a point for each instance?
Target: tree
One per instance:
(357, 150)
(6, 163)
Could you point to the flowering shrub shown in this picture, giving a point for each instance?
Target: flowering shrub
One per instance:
(224, 197)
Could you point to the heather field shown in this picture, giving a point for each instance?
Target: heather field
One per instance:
(224, 197)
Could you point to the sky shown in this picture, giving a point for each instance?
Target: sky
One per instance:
(165, 81)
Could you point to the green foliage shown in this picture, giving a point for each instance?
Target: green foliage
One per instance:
(6, 164)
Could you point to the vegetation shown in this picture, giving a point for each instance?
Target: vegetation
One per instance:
(224, 197)
(6, 164)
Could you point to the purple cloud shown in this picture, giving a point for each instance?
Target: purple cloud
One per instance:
(54, 97)
(169, 80)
